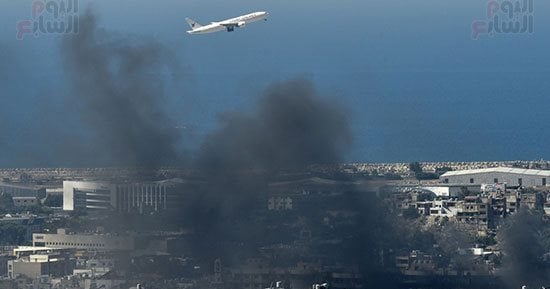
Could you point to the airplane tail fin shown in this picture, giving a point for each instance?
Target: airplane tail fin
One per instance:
(192, 23)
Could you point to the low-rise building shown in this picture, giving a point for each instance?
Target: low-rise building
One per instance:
(531, 200)
(280, 203)
(26, 201)
(474, 211)
(95, 242)
(22, 190)
(450, 190)
(54, 264)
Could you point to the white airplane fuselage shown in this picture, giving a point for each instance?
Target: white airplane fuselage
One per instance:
(228, 24)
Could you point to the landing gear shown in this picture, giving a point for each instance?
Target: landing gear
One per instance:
(230, 28)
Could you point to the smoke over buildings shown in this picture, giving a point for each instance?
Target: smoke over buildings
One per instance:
(291, 128)
(117, 86)
(523, 251)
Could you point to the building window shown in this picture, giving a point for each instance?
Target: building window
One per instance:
(471, 181)
(520, 182)
(446, 181)
(544, 181)
(496, 180)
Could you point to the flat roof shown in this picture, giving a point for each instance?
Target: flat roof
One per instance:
(505, 170)
(21, 186)
(32, 249)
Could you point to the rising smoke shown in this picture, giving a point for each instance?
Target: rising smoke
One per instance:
(291, 128)
(120, 82)
(523, 252)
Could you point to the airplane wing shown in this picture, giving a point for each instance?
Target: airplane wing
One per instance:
(230, 26)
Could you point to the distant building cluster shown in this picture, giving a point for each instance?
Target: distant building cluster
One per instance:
(403, 169)
(480, 197)
(302, 218)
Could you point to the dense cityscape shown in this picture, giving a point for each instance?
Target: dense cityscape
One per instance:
(416, 225)
(274, 144)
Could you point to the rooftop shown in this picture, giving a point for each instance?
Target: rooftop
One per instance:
(506, 170)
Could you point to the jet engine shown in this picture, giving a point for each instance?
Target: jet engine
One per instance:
(241, 24)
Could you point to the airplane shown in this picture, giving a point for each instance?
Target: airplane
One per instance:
(228, 24)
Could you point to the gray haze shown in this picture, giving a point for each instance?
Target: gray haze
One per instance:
(523, 251)
(118, 90)
(5, 59)
(291, 127)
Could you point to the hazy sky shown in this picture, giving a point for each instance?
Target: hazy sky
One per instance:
(416, 85)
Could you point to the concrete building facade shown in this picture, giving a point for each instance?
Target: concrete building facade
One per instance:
(26, 201)
(22, 190)
(95, 242)
(123, 197)
(33, 266)
(87, 195)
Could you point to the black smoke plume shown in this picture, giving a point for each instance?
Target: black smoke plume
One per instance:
(523, 251)
(118, 86)
(291, 128)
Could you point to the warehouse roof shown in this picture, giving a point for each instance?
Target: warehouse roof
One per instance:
(544, 173)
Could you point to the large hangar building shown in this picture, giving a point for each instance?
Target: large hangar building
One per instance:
(502, 175)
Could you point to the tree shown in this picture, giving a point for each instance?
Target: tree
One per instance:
(6, 203)
(419, 174)
(12, 234)
(442, 170)
(415, 167)
(488, 240)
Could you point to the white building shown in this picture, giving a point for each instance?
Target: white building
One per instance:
(502, 175)
(96, 242)
(444, 208)
(279, 203)
(450, 190)
(125, 197)
(88, 195)
(25, 201)
(54, 264)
